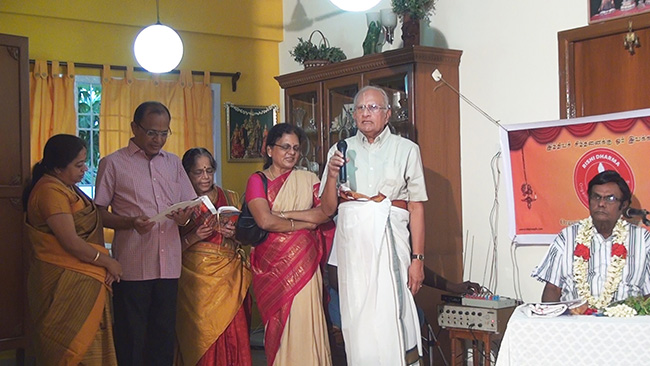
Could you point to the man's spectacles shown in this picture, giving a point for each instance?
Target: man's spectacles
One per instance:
(154, 133)
(286, 147)
(200, 172)
(611, 199)
(372, 108)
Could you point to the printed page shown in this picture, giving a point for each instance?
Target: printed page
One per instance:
(162, 216)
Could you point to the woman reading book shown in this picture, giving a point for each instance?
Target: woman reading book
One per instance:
(286, 275)
(213, 313)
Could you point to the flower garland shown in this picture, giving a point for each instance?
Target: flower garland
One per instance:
(620, 311)
(251, 112)
(581, 256)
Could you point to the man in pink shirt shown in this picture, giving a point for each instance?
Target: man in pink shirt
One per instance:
(138, 182)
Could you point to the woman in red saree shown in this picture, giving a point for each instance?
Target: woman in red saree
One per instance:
(286, 276)
(213, 312)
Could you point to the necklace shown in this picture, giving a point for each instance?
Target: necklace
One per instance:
(582, 253)
(271, 174)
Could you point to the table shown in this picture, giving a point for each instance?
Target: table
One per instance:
(575, 340)
(456, 336)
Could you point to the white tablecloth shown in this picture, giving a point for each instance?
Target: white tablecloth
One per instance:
(575, 340)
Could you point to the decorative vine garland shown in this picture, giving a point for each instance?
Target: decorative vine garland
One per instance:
(251, 113)
(581, 256)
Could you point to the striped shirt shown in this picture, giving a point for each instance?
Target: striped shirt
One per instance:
(557, 266)
(133, 185)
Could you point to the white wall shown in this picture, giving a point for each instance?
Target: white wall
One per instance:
(509, 68)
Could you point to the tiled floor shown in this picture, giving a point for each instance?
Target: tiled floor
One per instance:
(8, 358)
(259, 358)
(257, 352)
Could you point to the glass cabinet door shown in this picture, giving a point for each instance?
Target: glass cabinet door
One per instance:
(339, 106)
(396, 83)
(303, 109)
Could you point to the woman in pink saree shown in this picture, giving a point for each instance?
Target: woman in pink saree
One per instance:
(287, 280)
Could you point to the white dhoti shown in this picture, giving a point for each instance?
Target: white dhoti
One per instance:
(378, 314)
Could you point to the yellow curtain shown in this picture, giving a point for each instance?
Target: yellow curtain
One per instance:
(189, 103)
(51, 103)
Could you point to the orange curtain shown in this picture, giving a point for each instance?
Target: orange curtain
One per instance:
(189, 102)
(51, 103)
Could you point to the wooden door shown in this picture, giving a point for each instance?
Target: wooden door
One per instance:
(14, 171)
(598, 74)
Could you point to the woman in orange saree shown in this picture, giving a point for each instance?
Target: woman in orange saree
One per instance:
(70, 270)
(212, 320)
(286, 276)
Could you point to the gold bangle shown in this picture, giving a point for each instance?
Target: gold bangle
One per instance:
(96, 257)
(293, 227)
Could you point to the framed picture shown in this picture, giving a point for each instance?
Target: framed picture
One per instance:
(601, 10)
(247, 128)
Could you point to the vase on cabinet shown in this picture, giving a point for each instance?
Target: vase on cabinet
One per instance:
(410, 31)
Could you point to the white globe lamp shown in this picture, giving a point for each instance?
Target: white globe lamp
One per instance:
(158, 48)
(355, 5)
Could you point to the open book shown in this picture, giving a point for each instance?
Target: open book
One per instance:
(203, 201)
(227, 214)
(211, 216)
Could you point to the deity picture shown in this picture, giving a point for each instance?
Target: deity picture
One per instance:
(600, 10)
(247, 128)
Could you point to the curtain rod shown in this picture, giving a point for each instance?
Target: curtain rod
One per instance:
(234, 76)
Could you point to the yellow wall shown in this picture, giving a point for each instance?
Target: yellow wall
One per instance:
(224, 35)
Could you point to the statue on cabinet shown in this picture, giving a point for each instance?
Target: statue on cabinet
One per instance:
(373, 41)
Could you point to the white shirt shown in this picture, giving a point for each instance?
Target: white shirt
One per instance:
(391, 165)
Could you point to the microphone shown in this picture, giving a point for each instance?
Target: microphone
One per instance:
(631, 212)
(342, 146)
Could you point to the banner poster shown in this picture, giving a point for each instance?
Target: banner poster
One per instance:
(548, 166)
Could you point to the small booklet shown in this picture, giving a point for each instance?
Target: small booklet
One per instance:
(227, 214)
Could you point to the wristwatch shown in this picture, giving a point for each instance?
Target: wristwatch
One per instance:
(417, 256)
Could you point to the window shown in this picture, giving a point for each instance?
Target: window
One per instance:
(88, 100)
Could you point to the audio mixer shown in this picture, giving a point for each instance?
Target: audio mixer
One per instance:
(484, 312)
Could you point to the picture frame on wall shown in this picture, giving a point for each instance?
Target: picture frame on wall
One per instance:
(247, 128)
(601, 10)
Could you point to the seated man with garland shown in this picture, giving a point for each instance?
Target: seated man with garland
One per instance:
(602, 258)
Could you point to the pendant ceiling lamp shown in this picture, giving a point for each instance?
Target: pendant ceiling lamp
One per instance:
(158, 48)
(355, 5)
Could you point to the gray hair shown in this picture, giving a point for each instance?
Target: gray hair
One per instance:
(375, 88)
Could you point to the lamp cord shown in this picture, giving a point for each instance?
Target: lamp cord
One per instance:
(157, 12)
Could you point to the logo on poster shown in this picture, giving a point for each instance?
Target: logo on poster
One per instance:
(596, 161)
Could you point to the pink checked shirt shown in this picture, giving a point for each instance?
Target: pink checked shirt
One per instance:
(133, 185)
